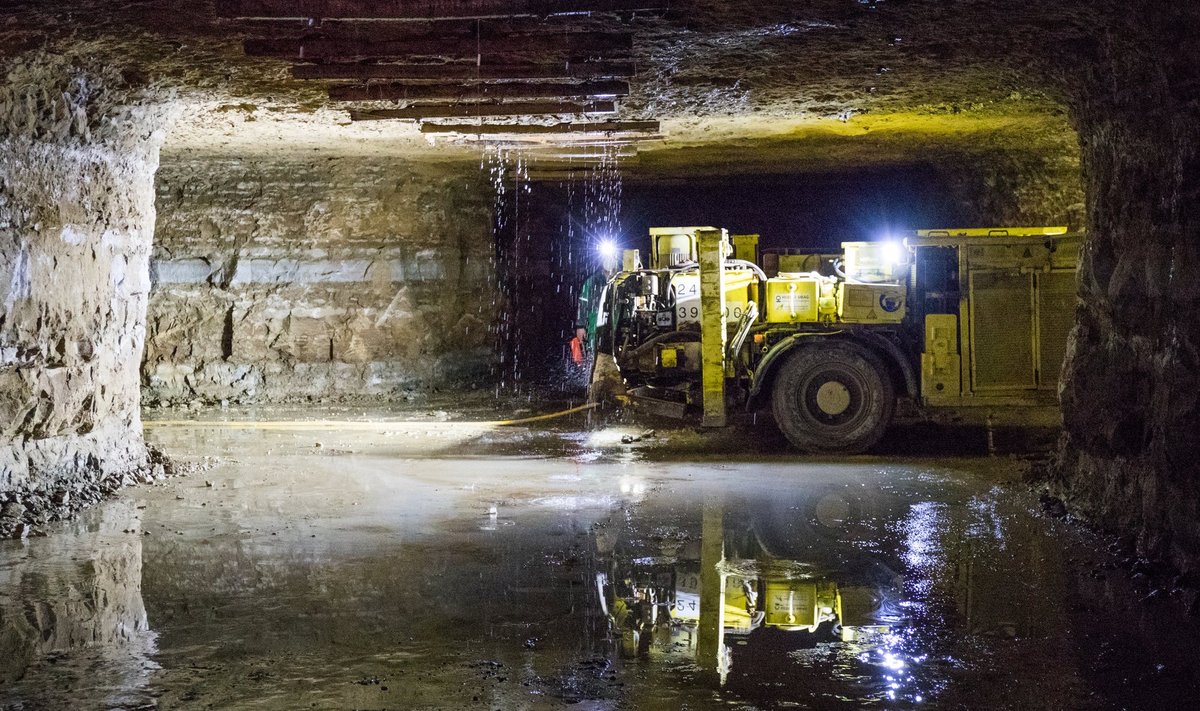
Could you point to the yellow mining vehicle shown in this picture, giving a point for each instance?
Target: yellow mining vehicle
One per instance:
(831, 342)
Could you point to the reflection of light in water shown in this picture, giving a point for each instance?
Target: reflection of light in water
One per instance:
(895, 672)
(921, 529)
(493, 519)
(609, 437)
(572, 503)
(921, 532)
(633, 485)
(923, 551)
(986, 522)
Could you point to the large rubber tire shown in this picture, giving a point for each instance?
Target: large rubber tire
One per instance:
(833, 396)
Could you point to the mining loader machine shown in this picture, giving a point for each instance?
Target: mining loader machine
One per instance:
(830, 343)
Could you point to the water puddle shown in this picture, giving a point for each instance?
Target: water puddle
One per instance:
(371, 581)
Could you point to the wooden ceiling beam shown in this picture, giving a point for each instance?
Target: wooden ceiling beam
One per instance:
(425, 9)
(316, 47)
(398, 91)
(484, 110)
(555, 128)
(559, 70)
(360, 30)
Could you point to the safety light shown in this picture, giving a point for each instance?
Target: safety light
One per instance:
(607, 249)
(893, 252)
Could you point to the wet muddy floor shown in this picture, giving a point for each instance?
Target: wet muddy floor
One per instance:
(429, 563)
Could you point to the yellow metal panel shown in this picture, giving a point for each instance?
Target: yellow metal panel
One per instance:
(745, 247)
(940, 363)
(1056, 316)
(799, 263)
(1031, 255)
(1002, 322)
(966, 344)
(792, 300)
(710, 632)
(871, 303)
(940, 377)
(737, 605)
(668, 357)
(994, 232)
(655, 231)
(713, 246)
(790, 603)
(673, 245)
(941, 333)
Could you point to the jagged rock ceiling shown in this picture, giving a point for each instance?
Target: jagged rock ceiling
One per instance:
(736, 86)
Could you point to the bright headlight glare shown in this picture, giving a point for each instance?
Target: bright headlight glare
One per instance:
(893, 252)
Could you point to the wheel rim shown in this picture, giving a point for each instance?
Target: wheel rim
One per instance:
(833, 398)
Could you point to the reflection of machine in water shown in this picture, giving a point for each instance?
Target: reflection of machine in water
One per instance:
(771, 593)
(736, 597)
(829, 593)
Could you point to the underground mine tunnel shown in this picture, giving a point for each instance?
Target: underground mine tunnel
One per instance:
(645, 354)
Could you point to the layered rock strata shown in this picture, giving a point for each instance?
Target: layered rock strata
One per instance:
(78, 151)
(319, 279)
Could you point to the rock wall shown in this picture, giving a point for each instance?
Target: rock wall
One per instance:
(317, 279)
(1011, 185)
(1131, 396)
(78, 151)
